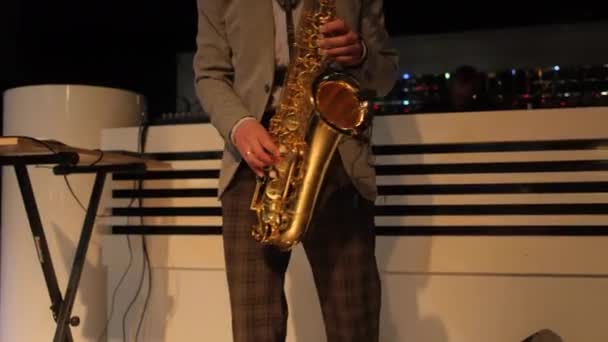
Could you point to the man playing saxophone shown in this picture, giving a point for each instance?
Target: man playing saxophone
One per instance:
(244, 48)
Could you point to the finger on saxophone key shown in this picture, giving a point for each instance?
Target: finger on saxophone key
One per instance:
(270, 146)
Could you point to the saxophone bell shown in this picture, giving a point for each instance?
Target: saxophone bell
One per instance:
(340, 103)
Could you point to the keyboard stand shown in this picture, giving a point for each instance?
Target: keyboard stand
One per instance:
(65, 162)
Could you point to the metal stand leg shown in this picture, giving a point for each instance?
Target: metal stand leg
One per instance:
(42, 248)
(79, 261)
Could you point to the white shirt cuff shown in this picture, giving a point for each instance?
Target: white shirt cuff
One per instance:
(236, 125)
(363, 53)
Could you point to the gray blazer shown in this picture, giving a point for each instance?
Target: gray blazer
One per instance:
(234, 70)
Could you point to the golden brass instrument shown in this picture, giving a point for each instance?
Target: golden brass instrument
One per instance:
(316, 110)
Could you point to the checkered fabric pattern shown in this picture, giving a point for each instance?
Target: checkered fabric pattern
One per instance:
(340, 248)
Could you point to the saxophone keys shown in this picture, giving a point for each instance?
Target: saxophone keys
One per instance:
(283, 164)
(291, 122)
(268, 217)
(271, 218)
(282, 149)
(273, 190)
(280, 167)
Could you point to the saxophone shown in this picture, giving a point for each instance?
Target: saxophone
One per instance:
(316, 110)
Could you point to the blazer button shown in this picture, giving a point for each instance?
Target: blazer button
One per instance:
(267, 88)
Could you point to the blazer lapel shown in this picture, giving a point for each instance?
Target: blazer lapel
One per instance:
(258, 34)
(257, 50)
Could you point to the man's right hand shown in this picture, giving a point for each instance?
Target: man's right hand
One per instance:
(256, 146)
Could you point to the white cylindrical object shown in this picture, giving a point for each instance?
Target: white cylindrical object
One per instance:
(74, 115)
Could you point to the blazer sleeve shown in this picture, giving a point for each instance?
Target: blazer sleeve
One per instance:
(379, 70)
(213, 69)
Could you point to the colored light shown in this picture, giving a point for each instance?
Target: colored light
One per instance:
(513, 72)
(556, 68)
(406, 76)
(376, 106)
(406, 102)
(447, 75)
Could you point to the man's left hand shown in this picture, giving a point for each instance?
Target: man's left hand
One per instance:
(340, 43)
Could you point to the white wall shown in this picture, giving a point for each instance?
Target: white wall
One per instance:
(440, 288)
(479, 289)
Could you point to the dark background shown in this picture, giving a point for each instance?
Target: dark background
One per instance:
(133, 44)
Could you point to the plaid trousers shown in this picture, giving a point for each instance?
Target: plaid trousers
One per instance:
(340, 247)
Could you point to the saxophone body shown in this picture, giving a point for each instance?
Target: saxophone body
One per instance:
(316, 110)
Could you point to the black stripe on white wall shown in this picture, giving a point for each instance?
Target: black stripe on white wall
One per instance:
(174, 174)
(164, 193)
(395, 231)
(404, 210)
(502, 188)
(461, 167)
(503, 146)
(493, 167)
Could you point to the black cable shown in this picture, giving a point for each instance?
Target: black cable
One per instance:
(147, 266)
(100, 158)
(115, 291)
(67, 183)
(124, 317)
(141, 279)
(143, 129)
(149, 292)
(122, 277)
